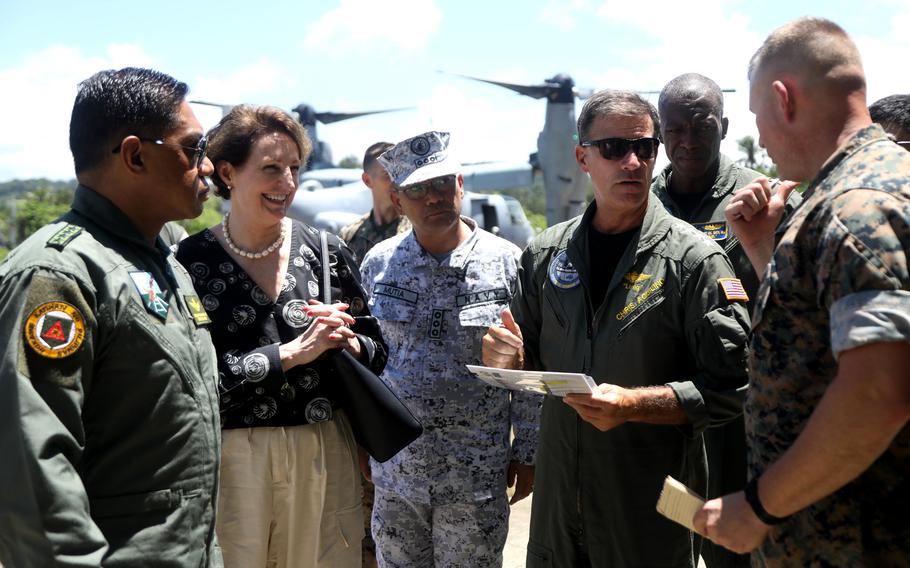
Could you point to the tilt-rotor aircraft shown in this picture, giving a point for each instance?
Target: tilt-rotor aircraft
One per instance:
(330, 197)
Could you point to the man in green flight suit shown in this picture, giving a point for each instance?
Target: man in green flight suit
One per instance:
(108, 401)
(650, 308)
(696, 187)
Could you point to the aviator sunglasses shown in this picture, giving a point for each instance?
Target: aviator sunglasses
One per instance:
(197, 154)
(617, 148)
(419, 190)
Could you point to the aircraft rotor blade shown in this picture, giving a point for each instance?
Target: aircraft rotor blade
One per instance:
(330, 117)
(533, 91)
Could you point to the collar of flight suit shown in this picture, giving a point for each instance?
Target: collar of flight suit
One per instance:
(653, 229)
(110, 219)
(724, 183)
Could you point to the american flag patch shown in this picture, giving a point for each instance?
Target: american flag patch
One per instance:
(733, 289)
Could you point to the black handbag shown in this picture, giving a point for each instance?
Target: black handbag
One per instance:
(381, 423)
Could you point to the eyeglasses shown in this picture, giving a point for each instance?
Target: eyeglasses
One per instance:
(196, 156)
(442, 184)
(618, 148)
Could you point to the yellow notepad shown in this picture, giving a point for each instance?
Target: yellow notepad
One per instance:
(679, 503)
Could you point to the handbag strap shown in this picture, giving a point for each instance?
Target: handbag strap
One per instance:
(326, 267)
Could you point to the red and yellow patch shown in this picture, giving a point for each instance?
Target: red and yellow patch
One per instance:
(55, 330)
(733, 289)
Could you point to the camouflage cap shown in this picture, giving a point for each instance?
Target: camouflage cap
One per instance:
(420, 158)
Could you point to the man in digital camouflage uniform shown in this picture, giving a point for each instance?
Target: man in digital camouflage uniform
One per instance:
(893, 114)
(827, 411)
(108, 405)
(696, 187)
(442, 500)
(650, 308)
(384, 220)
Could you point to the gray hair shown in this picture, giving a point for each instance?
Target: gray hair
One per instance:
(614, 103)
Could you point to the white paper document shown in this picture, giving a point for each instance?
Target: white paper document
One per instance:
(679, 503)
(557, 384)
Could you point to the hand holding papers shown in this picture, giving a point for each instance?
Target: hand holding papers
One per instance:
(679, 503)
(557, 384)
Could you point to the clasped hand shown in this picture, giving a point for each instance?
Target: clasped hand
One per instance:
(330, 328)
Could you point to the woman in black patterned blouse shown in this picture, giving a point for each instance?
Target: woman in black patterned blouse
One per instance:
(290, 486)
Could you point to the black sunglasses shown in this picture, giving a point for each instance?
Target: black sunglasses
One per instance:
(618, 148)
(419, 190)
(197, 152)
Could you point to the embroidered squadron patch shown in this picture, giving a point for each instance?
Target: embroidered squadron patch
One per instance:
(733, 289)
(714, 231)
(55, 330)
(197, 310)
(151, 294)
(561, 272)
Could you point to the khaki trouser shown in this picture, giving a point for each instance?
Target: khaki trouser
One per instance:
(290, 497)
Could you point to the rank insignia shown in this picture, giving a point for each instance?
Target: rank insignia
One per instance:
(197, 310)
(55, 330)
(714, 231)
(733, 289)
(152, 296)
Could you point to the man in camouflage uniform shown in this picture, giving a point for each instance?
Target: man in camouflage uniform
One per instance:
(648, 307)
(442, 500)
(384, 220)
(827, 411)
(108, 384)
(893, 113)
(696, 187)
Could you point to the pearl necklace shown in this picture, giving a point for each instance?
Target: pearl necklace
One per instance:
(245, 253)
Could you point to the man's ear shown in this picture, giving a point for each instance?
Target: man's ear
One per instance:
(724, 123)
(784, 98)
(130, 154)
(367, 181)
(396, 202)
(582, 158)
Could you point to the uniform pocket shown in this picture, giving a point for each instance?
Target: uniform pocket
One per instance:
(124, 505)
(539, 556)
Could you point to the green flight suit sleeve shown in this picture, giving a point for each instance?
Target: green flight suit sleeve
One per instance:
(525, 307)
(45, 373)
(716, 332)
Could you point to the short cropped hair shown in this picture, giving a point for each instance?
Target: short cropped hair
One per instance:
(693, 86)
(373, 152)
(816, 49)
(111, 105)
(614, 103)
(892, 112)
(232, 139)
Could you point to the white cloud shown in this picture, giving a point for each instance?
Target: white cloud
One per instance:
(360, 26)
(36, 102)
(562, 14)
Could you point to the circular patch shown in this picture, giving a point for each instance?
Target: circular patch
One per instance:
(288, 392)
(420, 146)
(307, 253)
(308, 380)
(561, 272)
(210, 303)
(294, 313)
(217, 286)
(226, 267)
(299, 262)
(290, 282)
(199, 269)
(255, 367)
(55, 330)
(318, 410)
(265, 408)
(357, 306)
(313, 288)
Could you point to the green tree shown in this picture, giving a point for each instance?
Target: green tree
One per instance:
(350, 162)
(211, 215)
(755, 157)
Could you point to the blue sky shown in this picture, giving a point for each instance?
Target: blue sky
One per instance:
(352, 55)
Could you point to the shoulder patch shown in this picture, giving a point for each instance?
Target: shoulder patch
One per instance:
(715, 231)
(562, 273)
(63, 237)
(55, 330)
(733, 289)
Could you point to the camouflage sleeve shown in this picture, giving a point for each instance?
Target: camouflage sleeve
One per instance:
(524, 413)
(525, 308)
(47, 326)
(862, 269)
(716, 331)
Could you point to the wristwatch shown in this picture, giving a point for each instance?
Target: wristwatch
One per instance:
(764, 516)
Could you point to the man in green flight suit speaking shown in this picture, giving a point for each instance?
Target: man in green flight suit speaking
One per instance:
(109, 422)
(651, 309)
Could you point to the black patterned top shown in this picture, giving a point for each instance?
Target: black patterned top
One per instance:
(247, 328)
